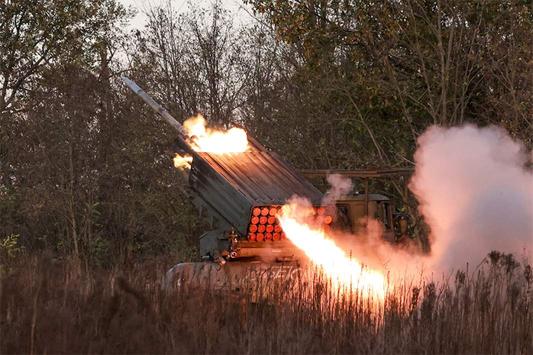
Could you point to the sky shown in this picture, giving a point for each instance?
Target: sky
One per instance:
(235, 6)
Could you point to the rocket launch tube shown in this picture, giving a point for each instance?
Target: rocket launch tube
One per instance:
(159, 110)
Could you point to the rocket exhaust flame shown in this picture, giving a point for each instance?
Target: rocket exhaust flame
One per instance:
(345, 273)
(201, 138)
(182, 161)
(204, 139)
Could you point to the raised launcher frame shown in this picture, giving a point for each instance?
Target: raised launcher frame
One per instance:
(242, 192)
(231, 187)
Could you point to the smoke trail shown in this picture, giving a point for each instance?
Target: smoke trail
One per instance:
(339, 186)
(475, 192)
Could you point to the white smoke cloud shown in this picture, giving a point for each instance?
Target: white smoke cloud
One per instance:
(340, 186)
(475, 192)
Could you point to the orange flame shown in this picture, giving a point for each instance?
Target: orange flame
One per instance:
(182, 161)
(346, 274)
(205, 139)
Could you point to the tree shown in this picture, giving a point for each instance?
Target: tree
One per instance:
(197, 61)
(371, 76)
(36, 36)
(428, 62)
(49, 53)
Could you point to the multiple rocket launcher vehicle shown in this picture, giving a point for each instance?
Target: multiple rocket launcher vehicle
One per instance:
(242, 192)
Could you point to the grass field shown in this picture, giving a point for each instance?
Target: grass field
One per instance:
(50, 306)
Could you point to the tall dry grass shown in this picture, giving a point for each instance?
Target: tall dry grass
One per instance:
(58, 307)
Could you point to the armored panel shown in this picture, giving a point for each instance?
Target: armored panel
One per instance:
(234, 183)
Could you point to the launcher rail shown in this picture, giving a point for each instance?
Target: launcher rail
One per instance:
(233, 187)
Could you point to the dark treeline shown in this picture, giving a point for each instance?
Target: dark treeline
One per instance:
(85, 167)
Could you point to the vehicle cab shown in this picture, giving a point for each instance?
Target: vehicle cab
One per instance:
(354, 211)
